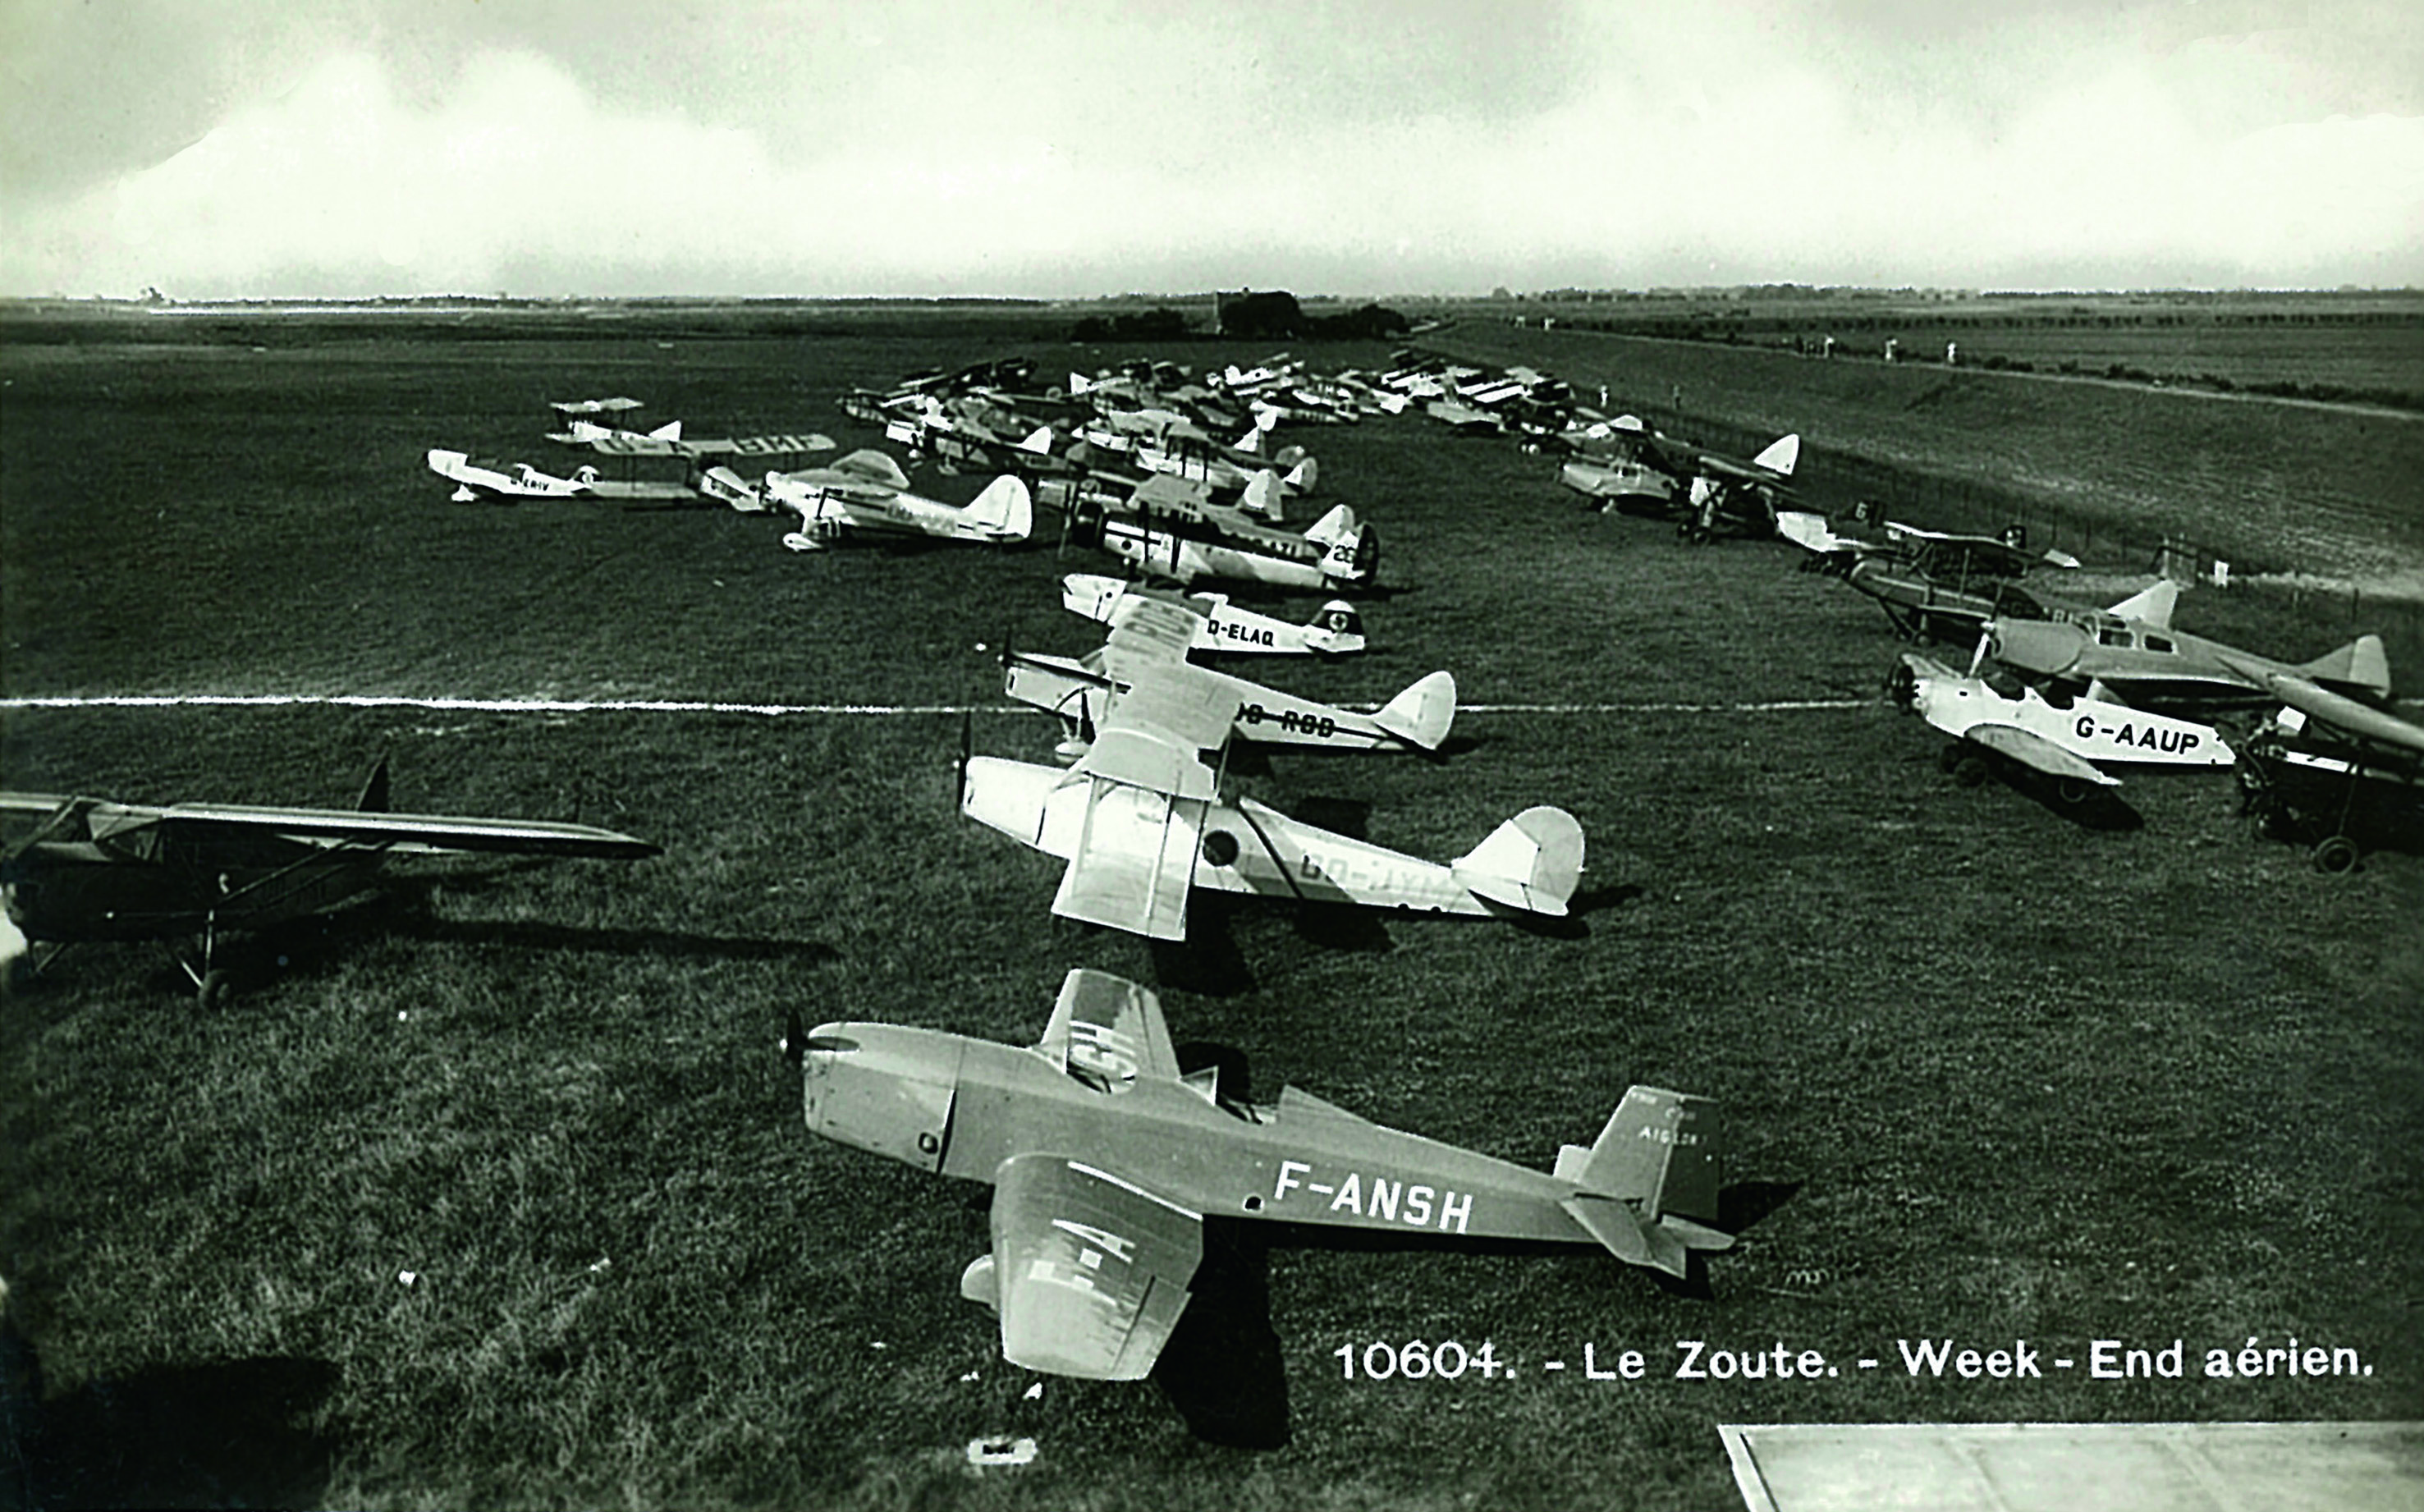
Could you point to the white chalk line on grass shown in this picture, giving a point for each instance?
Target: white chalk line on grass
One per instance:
(690, 706)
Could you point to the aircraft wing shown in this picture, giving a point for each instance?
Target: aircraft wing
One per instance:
(401, 832)
(1108, 1029)
(1134, 861)
(1090, 1270)
(2032, 749)
(618, 404)
(1150, 633)
(1156, 731)
(2317, 702)
(718, 446)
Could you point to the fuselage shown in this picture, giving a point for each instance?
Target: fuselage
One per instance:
(960, 1107)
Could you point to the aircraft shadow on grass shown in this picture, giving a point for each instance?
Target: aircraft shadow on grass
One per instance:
(213, 1435)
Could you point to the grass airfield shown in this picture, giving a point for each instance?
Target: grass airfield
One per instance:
(1990, 1075)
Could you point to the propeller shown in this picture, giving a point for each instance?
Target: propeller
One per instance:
(967, 746)
(795, 1038)
(1985, 644)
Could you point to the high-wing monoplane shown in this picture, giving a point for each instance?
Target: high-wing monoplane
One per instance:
(2332, 773)
(193, 873)
(2068, 739)
(1337, 629)
(2132, 651)
(1141, 822)
(475, 481)
(1151, 636)
(1106, 1155)
(867, 491)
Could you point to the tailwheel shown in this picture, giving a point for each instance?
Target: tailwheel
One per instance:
(2335, 856)
(1970, 769)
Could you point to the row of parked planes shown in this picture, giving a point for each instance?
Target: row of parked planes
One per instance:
(1106, 1146)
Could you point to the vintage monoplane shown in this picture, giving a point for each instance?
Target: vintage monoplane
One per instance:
(1151, 636)
(2068, 739)
(475, 481)
(2132, 651)
(1337, 629)
(580, 425)
(1165, 526)
(1106, 1155)
(192, 874)
(2332, 773)
(867, 492)
(1140, 820)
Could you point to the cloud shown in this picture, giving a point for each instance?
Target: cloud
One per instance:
(1125, 148)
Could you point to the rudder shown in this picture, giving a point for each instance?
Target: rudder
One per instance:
(1532, 862)
(1421, 715)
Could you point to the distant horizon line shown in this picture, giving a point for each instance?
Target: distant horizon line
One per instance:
(154, 299)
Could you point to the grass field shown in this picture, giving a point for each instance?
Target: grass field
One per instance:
(1993, 1076)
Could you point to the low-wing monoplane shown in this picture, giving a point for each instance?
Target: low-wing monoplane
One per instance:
(1140, 824)
(2133, 651)
(1165, 526)
(867, 491)
(1146, 652)
(193, 873)
(475, 481)
(2068, 739)
(1337, 629)
(1106, 1155)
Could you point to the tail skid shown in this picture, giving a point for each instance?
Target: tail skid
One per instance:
(1649, 1186)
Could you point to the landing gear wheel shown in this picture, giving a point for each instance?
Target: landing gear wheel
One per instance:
(2071, 792)
(1901, 685)
(2335, 856)
(1949, 759)
(215, 989)
(1969, 771)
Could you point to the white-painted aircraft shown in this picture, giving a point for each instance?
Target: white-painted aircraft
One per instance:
(867, 491)
(1140, 824)
(580, 428)
(473, 481)
(1147, 649)
(1336, 630)
(2069, 739)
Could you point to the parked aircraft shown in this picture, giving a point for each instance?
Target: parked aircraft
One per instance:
(1106, 1154)
(2069, 739)
(1336, 552)
(475, 481)
(1932, 583)
(1337, 629)
(580, 426)
(196, 872)
(1146, 654)
(2332, 773)
(1140, 821)
(754, 447)
(867, 491)
(2132, 651)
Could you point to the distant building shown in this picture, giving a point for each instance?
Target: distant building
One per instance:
(1270, 315)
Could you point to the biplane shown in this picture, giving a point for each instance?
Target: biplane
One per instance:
(1170, 529)
(1151, 636)
(867, 492)
(1106, 1154)
(1932, 583)
(1140, 824)
(195, 873)
(1335, 629)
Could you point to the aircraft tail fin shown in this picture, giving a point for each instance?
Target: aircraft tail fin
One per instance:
(1532, 863)
(2153, 606)
(1264, 494)
(1337, 630)
(669, 431)
(2361, 664)
(1080, 384)
(1301, 476)
(1421, 715)
(374, 795)
(1781, 456)
(1039, 443)
(1333, 528)
(1006, 508)
(1649, 1186)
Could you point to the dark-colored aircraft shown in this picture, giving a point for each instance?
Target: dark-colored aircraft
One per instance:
(2332, 773)
(190, 874)
(1106, 1157)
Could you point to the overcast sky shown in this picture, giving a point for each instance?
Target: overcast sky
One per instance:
(332, 147)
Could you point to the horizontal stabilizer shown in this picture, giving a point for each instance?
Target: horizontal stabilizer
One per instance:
(1421, 715)
(1532, 862)
(2031, 749)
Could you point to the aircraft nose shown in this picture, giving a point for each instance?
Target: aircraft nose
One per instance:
(2036, 645)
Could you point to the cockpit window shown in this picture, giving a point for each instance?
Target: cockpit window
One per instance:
(2157, 643)
(2113, 636)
